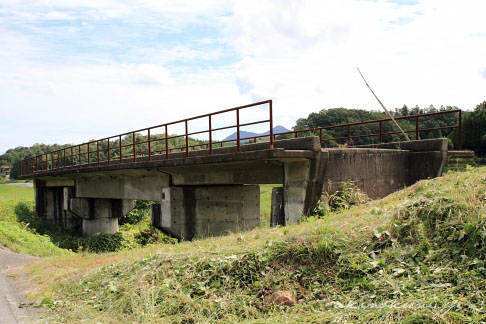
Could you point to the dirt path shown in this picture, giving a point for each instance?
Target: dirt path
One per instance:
(13, 286)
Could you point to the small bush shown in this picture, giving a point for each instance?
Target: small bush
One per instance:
(140, 212)
(348, 196)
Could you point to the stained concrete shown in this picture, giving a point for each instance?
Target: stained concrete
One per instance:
(189, 212)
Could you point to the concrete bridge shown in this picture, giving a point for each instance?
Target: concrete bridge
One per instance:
(211, 190)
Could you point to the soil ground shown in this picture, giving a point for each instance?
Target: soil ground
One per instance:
(14, 285)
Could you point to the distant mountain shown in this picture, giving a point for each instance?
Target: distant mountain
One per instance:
(243, 134)
(277, 130)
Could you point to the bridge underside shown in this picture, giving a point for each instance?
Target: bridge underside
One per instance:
(205, 195)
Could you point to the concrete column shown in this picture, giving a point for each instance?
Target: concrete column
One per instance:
(296, 178)
(189, 212)
(277, 216)
(303, 181)
(100, 215)
(39, 197)
(48, 202)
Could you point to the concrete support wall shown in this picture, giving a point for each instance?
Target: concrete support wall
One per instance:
(52, 203)
(376, 172)
(189, 212)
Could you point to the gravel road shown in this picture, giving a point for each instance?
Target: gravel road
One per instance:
(13, 286)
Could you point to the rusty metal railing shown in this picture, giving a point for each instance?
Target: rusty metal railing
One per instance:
(320, 131)
(114, 149)
(93, 154)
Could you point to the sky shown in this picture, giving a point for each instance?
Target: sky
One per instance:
(76, 70)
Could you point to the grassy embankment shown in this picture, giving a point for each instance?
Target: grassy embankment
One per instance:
(416, 256)
(14, 234)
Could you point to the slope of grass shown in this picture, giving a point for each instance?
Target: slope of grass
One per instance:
(416, 256)
(15, 235)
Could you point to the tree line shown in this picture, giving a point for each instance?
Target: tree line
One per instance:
(473, 126)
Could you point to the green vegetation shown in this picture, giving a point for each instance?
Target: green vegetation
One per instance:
(336, 116)
(134, 232)
(14, 193)
(416, 256)
(266, 204)
(14, 236)
(17, 236)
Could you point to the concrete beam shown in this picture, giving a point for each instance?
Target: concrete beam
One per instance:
(250, 172)
(123, 187)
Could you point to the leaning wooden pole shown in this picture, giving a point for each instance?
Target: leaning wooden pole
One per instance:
(383, 106)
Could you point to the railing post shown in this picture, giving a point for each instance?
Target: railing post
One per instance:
(89, 157)
(187, 140)
(72, 158)
(210, 136)
(271, 124)
(380, 131)
(79, 152)
(238, 131)
(416, 127)
(109, 158)
(149, 148)
(121, 148)
(58, 159)
(349, 134)
(64, 155)
(32, 167)
(460, 130)
(166, 143)
(98, 152)
(52, 161)
(320, 136)
(134, 147)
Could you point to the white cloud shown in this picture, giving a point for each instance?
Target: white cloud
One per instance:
(151, 74)
(302, 54)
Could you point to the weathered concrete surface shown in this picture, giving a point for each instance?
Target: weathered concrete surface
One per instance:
(381, 169)
(188, 212)
(461, 154)
(377, 172)
(100, 215)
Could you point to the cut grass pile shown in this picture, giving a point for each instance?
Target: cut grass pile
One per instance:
(416, 256)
